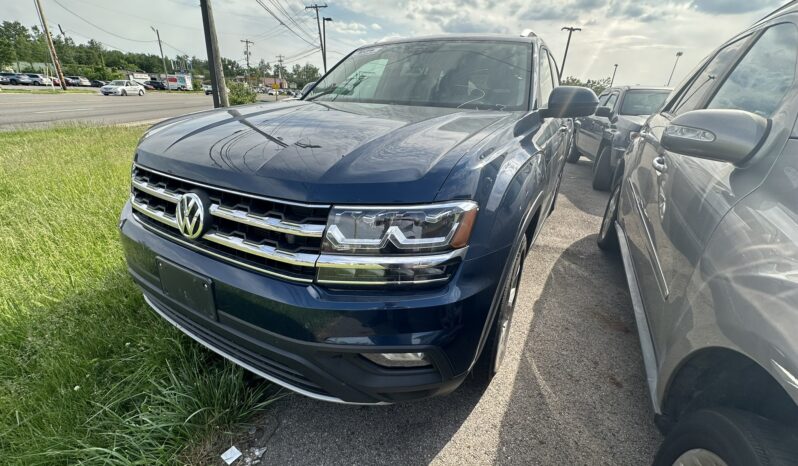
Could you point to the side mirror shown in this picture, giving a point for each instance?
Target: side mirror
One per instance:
(731, 136)
(570, 102)
(605, 112)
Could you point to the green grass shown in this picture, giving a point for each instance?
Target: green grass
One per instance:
(88, 374)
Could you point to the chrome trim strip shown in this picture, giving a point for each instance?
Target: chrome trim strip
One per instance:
(248, 367)
(262, 250)
(651, 246)
(267, 223)
(160, 193)
(211, 253)
(238, 193)
(334, 261)
(381, 283)
(643, 331)
(156, 215)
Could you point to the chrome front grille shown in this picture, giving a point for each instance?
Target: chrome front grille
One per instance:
(271, 236)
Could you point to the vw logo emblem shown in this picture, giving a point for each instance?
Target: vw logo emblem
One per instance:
(190, 215)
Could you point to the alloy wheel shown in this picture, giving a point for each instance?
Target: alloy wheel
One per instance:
(699, 457)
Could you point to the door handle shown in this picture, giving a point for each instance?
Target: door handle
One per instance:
(659, 164)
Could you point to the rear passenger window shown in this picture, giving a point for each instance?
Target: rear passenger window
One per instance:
(611, 101)
(697, 91)
(764, 76)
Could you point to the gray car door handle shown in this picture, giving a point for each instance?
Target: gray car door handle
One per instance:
(659, 164)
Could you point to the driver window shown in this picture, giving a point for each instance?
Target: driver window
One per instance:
(546, 79)
(612, 101)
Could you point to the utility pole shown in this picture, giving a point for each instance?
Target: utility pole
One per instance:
(246, 43)
(53, 53)
(316, 7)
(160, 47)
(280, 73)
(678, 54)
(613, 74)
(324, 41)
(570, 30)
(214, 59)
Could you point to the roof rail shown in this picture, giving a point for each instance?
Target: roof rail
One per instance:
(776, 11)
(528, 33)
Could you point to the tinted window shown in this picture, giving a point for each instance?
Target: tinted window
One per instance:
(612, 100)
(463, 74)
(704, 82)
(603, 99)
(643, 102)
(764, 76)
(546, 79)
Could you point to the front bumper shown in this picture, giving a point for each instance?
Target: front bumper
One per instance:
(310, 339)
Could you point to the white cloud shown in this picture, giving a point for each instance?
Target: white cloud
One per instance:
(376, 27)
(349, 28)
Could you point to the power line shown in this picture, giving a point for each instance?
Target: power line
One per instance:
(98, 27)
(277, 18)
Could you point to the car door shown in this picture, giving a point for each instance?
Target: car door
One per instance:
(549, 138)
(583, 124)
(681, 199)
(596, 125)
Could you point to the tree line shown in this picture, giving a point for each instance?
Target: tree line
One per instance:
(20, 47)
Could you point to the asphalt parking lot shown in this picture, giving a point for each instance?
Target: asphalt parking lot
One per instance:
(33, 109)
(571, 391)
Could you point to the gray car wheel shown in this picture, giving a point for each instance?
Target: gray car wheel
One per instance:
(608, 236)
(123, 93)
(728, 437)
(602, 170)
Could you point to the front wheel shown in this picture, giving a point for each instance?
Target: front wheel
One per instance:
(124, 92)
(728, 437)
(496, 345)
(602, 170)
(141, 93)
(608, 236)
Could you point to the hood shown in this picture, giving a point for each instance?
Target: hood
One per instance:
(320, 152)
(633, 120)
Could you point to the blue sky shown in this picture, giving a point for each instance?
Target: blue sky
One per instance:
(641, 36)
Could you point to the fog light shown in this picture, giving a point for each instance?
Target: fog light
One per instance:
(398, 359)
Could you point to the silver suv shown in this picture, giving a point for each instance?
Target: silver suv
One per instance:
(704, 210)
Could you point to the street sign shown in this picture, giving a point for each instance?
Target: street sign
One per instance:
(275, 86)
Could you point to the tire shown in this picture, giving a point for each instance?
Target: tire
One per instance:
(495, 346)
(608, 236)
(737, 438)
(141, 93)
(14, 82)
(123, 93)
(573, 154)
(602, 170)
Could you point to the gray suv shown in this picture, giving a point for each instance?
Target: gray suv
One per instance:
(704, 210)
(604, 136)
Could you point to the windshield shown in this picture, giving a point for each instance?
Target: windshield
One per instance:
(643, 102)
(482, 75)
(117, 83)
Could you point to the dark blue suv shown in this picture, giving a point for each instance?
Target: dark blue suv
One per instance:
(363, 244)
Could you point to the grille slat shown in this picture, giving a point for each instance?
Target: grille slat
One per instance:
(277, 238)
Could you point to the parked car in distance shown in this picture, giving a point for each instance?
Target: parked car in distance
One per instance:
(4, 79)
(56, 81)
(17, 78)
(77, 81)
(208, 89)
(159, 85)
(98, 83)
(603, 137)
(39, 79)
(148, 87)
(122, 87)
(704, 210)
(368, 246)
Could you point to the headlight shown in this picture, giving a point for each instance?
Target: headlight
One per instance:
(399, 230)
(395, 245)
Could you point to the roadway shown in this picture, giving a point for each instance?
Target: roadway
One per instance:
(572, 389)
(36, 109)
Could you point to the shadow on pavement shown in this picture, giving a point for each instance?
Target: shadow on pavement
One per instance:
(580, 380)
(580, 191)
